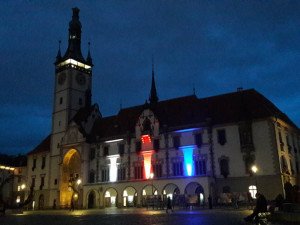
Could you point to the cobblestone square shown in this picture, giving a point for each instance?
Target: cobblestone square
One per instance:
(128, 217)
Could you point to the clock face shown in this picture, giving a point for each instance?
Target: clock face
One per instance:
(80, 78)
(61, 78)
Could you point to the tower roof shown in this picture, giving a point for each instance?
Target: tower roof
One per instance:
(74, 42)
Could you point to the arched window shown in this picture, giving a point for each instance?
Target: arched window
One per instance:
(253, 190)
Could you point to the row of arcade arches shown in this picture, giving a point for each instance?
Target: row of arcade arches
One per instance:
(129, 196)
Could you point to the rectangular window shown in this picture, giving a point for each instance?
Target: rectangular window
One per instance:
(19, 188)
(178, 166)
(42, 183)
(55, 181)
(105, 152)
(156, 144)
(92, 153)
(138, 146)
(222, 137)
(139, 171)
(176, 142)
(105, 174)
(34, 164)
(157, 168)
(200, 166)
(198, 140)
(33, 181)
(60, 100)
(121, 172)
(43, 162)
(121, 149)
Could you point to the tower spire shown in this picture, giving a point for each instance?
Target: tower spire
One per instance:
(74, 43)
(153, 94)
(89, 59)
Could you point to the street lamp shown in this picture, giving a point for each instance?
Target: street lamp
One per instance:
(254, 170)
(151, 177)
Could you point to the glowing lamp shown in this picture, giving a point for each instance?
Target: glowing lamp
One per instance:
(78, 181)
(146, 139)
(75, 196)
(254, 169)
(23, 186)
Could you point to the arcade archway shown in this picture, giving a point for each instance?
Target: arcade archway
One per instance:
(129, 197)
(70, 179)
(194, 193)
(111, 197)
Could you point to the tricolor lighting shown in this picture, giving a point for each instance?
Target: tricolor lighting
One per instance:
(188, 158)
(113, 167)
(146, 139)
(147, 163)
(186, 130)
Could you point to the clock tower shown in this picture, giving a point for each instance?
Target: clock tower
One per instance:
(73, 79)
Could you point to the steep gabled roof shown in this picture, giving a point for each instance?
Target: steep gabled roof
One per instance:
(189, 111)
(44, 146)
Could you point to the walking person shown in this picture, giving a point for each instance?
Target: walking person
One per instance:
(210, 201)
(169, 205)
(72, 205)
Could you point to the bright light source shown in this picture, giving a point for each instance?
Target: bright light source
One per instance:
(151, 175)
(144, 192)
(74, 62)
(147, 162)
(186, 130)
(113, 167)
(146, 139)
(188, 158)
(254, 169)
(115, 140)
(78, 181)
(18, 199)
(23, 186)
(75, 196)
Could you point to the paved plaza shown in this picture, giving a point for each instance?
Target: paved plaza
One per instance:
(129, 217)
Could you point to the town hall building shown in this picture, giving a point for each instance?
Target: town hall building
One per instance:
(185, 148)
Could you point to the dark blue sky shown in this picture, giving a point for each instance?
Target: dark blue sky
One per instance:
(212, 46)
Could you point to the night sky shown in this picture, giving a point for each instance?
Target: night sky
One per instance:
(212, 46)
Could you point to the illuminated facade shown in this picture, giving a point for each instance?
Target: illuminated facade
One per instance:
(185, 148)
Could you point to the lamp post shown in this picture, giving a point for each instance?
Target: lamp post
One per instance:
(151, 177)
(254, 170)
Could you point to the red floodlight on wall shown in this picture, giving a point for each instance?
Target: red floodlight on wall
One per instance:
(146, 139)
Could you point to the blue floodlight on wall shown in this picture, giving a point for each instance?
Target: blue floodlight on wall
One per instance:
(188, 159)
(186, 130)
